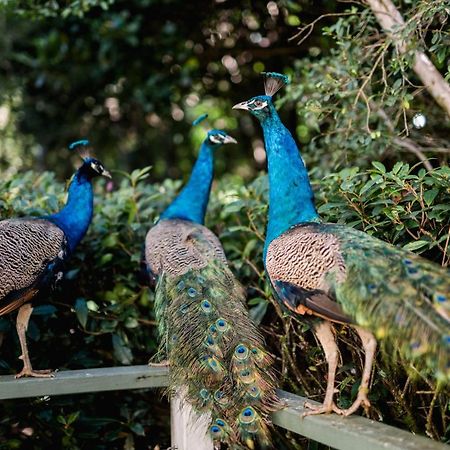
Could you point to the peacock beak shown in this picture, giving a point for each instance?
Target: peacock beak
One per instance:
(242, 105)
(229, 140)
(106, 174)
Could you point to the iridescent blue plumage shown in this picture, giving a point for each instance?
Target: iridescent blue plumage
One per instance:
(75, 217)
(191, 202)
(291, 199)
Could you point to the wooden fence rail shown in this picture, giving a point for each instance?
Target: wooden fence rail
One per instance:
(342, 433)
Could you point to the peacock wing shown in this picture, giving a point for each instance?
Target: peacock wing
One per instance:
(31, 253)
(400, 297)
(176, 246)
(298, 263)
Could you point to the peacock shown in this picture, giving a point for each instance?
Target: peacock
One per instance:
(214, 351)
(33, 251)
(325, 272)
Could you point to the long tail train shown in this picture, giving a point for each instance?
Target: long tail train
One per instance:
(216, 353)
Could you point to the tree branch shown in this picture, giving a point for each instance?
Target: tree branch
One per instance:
(406, 143)
(392, 21)
(412, 147)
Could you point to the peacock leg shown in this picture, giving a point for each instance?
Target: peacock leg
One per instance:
(23, 318)
(325, 334)
(369, 344)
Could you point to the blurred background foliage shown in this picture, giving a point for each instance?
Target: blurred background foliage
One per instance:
(131, 76)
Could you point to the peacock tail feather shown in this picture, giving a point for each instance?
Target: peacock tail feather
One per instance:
(215, 350)
(401, 297)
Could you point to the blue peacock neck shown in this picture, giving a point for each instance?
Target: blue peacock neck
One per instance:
(291, 199)
(191, 202)
(75, 217)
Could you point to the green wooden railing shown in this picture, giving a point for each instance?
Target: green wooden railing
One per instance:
(343, 433)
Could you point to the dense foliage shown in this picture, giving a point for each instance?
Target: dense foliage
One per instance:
(131, 75)
(102, 315)
(361, 100)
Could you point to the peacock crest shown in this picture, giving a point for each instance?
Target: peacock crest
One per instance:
(273, 82)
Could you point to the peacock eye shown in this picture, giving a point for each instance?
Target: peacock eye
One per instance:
(97, 167)
(259, 104)
(215, 139)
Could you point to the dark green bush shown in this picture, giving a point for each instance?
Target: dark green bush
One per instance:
(101, 315)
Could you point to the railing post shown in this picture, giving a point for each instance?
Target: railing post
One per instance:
(188, 429)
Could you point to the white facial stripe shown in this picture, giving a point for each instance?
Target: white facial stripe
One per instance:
(97, 167)
(258, 104)
(215, 139)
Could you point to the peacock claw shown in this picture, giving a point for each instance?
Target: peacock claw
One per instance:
(321, 409)
(30, 372)
(164, 363)
(361, 400)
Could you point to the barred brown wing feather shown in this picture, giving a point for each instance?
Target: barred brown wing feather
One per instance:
(27, 246)
(299, 264)
(177, 246)
(401, 298)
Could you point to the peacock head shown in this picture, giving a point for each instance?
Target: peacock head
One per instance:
(91, 167)
(262, 106)
(216, 138)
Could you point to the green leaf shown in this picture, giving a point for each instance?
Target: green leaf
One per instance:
(131, 322)
(44, 310)
(430, 195)
(367, 186)
(82, 311)
(379, 166)
(121, 351)
(258, 312)
(73, 417)
(111, 240)
(251, 244)
(256, 301)
(397, 167)
(106, 258)
(138, 429)
(415, 245)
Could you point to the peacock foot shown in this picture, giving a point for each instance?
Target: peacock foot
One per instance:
(163, 363)
(321, 409)
(30, 372)
(361, 400)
